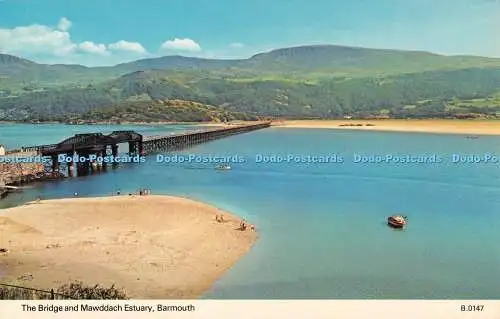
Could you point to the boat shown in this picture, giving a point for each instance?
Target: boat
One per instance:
(223, 167)
(472, 137)
(397, 221)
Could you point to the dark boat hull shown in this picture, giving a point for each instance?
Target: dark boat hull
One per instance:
(394, 223)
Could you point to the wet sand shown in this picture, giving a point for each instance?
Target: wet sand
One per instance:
(155, 247)
(475, 127)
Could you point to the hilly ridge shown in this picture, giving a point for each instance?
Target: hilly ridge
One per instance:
(325, 81)
(319, 58)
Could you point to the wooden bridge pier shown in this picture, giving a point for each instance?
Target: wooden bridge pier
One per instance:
(71, 165)
(136, 148)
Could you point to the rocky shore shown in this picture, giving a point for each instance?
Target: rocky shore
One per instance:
(21, 173)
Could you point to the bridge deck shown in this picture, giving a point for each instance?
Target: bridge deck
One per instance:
(93, 141)
(192, 132)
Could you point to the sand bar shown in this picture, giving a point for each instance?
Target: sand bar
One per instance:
(476, 127)
(155, 247)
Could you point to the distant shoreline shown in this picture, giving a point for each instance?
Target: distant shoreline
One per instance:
(116, 123)
(472, 127)
(444, 126)
(155, 247)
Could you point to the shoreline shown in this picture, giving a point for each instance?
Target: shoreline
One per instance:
(441, 126)
(154, 246)
(475, 127)
(118, 123)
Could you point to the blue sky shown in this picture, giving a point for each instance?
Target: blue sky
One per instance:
(104, 32)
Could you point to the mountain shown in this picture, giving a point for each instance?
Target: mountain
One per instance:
(343, 58)
(325, 81)
(302, 62)
(177, 62)
(10, 65)
(318, 58)
(448, 93)
(15, 71)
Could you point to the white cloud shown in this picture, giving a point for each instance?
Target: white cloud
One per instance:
(64, 24)
(94, 48)
(35, 39)
(123, 45)
(181, 45)
(53, 44)
(236, 45)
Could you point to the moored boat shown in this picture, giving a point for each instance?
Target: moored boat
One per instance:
(397, 221)
(223, 167)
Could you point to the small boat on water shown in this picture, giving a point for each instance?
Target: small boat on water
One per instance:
(397, 221)
(472, 137)
(224, 167)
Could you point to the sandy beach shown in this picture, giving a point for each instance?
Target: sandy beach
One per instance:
(476, 127)
(155, 247)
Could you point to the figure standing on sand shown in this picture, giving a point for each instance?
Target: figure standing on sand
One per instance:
(219, 219)
(244, 224)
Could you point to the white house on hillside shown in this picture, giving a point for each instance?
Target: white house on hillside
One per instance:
(2, 150)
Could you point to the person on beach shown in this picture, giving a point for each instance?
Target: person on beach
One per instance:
(243, 225)
(219, 219)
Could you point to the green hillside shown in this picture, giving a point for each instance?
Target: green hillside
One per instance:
(160, 111)
(304, 62)
(310, 81)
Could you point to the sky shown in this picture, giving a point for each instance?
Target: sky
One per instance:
(107, 32)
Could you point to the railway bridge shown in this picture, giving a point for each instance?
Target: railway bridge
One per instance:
(99, 145)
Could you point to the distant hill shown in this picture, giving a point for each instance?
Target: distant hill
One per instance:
(10, 65)
(308, 61)
(15, 70)
(426, 94)
(326, 81)
(357, 59)
(177, 62)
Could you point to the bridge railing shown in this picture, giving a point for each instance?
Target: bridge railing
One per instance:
(191, 132)
(40, 148)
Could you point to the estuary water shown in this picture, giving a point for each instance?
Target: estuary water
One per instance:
(322, 225)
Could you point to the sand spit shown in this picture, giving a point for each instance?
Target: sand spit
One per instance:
(475, 127)
(155, 247)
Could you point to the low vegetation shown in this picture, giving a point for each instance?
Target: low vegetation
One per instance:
(75, 290)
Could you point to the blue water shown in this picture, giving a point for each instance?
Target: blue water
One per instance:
(322, 227)
(16, 135)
